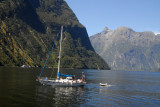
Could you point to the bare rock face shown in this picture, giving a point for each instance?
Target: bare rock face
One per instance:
(125, 49)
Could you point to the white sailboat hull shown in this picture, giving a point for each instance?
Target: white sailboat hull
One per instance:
(62, 83)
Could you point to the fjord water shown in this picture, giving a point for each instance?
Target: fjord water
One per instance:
(18, 88)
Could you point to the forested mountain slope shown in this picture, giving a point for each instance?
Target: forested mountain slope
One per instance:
(28, 29)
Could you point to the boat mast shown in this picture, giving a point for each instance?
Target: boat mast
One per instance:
(59, 61)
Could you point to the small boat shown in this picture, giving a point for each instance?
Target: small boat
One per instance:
(103, 84)
(25, 66)
(62, 79)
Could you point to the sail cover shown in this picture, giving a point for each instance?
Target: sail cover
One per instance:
(63, 75)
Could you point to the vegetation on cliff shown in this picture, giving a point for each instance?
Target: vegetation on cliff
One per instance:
(28, 29)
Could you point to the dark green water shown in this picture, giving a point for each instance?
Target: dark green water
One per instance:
(18, 88)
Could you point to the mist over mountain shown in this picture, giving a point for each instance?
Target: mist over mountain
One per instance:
(28, 29)
(126, 49)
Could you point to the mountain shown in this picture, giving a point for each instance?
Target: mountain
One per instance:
(28, 28)
(126, 49)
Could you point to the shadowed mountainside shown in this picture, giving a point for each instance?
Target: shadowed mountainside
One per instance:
(28, 29)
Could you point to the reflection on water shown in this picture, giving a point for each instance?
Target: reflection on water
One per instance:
(59, 96)
(18, 88)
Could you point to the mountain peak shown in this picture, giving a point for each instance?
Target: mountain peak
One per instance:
(106, 30)
(124, 28)
(149, 33)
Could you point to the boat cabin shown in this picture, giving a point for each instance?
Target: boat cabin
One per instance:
(69, 78)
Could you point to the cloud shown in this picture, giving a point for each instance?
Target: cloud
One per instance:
(156, 33)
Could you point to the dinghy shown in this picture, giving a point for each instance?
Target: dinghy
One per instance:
(103, 84)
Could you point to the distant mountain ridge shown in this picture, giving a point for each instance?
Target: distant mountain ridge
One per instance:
(28, 29)
(126, 49)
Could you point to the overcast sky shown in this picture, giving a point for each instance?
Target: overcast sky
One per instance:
(140, 15)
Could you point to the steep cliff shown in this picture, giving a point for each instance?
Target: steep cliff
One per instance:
(28, 29)
(125, 49)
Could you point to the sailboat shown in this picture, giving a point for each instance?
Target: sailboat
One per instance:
(69, 80)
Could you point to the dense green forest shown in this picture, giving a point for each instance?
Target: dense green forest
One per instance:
(28, 29)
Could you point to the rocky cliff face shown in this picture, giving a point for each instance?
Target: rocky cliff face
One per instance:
(28, 29)
(125, 49)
